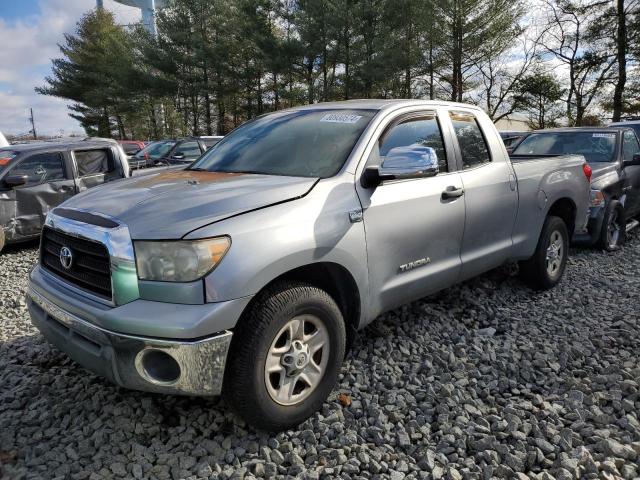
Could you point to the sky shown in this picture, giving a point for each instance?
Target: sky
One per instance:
(31, 31)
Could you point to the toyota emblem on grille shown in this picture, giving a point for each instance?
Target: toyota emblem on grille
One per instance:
(66, 257)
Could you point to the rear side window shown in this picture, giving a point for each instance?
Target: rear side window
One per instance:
(40, 168)
(473, 146)
(422, 131)
(6, 156)
(92, 162)
(188, 149)
(629, 145)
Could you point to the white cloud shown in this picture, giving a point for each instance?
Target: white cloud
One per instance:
(28, 45)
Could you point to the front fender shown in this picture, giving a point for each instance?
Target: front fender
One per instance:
(270, 242)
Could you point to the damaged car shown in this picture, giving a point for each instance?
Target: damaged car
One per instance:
(35, 178)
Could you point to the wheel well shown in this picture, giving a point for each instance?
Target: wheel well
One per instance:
(566, 210)
(337, 282)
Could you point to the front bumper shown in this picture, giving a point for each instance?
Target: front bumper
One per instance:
(124, 359)
(594, 227)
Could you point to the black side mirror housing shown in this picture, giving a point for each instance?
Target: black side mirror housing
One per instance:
(633, 162)
(13, 181)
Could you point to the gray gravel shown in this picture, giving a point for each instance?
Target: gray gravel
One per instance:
(485, 380)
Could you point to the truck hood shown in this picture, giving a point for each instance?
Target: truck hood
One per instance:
(604, 173)
(170, 204)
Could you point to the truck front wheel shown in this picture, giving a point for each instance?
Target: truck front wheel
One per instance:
(546, 267)
(285, 356)
(612, 235)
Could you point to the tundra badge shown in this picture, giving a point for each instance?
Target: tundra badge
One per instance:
(415, 264)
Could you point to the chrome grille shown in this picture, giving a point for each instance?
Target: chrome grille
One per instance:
(90, 268)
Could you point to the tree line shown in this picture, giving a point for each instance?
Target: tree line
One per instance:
(214, 64)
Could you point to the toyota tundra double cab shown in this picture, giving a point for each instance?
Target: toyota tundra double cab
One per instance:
(284, 239)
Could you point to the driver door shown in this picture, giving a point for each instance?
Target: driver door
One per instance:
(47, 186)
(413, 229)
(630, 147)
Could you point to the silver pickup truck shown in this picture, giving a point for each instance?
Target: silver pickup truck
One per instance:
(249, 272)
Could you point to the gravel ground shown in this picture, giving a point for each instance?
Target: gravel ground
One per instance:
(487, 379)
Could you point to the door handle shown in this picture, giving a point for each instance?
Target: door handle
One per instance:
(452, 192)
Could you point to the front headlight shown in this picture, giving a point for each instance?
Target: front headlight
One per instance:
(179, 261)
(597, 198)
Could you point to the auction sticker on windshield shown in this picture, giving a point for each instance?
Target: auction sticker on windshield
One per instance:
(340, 118)
(604, 135)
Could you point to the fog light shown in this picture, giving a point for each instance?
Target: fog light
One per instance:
(159, 366)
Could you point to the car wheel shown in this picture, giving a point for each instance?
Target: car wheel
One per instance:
(285, 356)
(546, 267)
(613, 232)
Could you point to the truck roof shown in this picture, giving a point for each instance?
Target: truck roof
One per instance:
(379, 104)
(581, 129)
(66, 145)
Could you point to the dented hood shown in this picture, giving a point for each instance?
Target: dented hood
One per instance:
(170, 204)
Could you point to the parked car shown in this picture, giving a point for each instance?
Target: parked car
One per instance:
(3, 141)
(35, 178)
(613, 155)
(131, 147)
(173, 152)
(299, 228)
(510, 138)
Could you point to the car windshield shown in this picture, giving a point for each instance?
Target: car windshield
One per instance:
(301, 143)
(155, 150)
(594, 146)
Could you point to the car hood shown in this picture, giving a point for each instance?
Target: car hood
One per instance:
(604, 173)
(172, 203)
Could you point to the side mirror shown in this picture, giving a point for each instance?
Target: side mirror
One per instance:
(178, 156)
(633, 162)
(413, 161)
(13, 181)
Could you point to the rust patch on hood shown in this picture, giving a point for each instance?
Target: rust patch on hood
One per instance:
(185, 175)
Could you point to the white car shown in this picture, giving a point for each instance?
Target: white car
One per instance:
(3, 141)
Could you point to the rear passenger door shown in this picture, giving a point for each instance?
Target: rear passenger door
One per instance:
(490, 194)
(48, 185)
(630, 147)
(94, 167)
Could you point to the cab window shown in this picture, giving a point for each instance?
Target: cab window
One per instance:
(473, 146)
(188, 149)
(40, 168)
(412, 136)
(629, 145)
(92, 162)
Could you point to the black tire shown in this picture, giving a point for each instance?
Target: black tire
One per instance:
(245, 389)
(535, 271)
(613, 232)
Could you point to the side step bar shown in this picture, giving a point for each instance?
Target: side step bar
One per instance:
(631, 224)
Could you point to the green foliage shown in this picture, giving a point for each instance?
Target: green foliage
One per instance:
(216, 63)
(540, 94)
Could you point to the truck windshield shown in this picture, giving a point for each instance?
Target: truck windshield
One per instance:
(155, 150)
(594, 146)
(301, 143)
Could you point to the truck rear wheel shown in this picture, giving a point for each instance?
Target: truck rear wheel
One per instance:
(613, 232)
(285, 356)
(546, 267)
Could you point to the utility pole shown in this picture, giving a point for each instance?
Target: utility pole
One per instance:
(33, 125)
